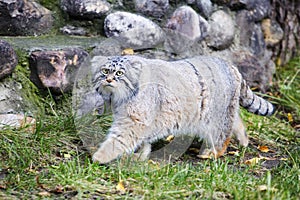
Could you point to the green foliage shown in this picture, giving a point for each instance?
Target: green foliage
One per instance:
(29, 91)
(288, 88)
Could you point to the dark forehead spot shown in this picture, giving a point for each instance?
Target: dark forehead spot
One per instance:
(117, 61)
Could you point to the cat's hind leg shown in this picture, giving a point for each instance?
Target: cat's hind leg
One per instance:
(210, 150)
(239, 131)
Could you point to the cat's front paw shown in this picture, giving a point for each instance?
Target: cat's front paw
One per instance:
(102, 157)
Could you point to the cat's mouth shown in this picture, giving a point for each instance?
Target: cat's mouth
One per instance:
(108, 85)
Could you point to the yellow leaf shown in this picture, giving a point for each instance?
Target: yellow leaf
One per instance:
(264, 149)
(170, 138)
(235, 153)
(127, 51)
(120, 187)
(204, 156)
(284, 159)
(290, 117)
(252, 161)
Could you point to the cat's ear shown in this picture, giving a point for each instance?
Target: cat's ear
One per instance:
(136, 64)
(97, 62)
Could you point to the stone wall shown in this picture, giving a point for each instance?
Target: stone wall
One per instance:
(252, 34)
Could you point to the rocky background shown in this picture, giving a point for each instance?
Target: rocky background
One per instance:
(57, 36)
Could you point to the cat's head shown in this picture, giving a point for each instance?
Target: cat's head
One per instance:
(117, 78)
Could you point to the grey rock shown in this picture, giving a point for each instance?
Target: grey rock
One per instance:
(8, 59)
(251, 69)
(109, 47)
(183, 29)
(20, 17)
(187, 22)
(258, 9)
(205, 7)
(245, 27)
(11, 100)
(72, 30)
(87, 9)
(257, 41)
(56, 70)
(190, 1)
(273, 33)
(133, 31)
(251, 34)
(14, 99)
(221, 30)
(155, 8)
(17, 121)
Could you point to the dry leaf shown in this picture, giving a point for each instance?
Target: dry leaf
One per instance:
(290, 117)
(120, 187)
(58, 189)
(128, 51)
(204, 156)
(253, 161)
(44, 194)
(264, 149)
(265, 188)
(170, 138)
(66, 155)
(235, 153)
(283, 159)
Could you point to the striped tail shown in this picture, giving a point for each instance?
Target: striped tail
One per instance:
(254, 103)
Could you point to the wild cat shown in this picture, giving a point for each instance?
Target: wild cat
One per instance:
(152, 99)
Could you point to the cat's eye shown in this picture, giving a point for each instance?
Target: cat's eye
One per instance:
(119, 73)
(105, 71)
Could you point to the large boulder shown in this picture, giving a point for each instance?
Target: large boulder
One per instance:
(88, 9)
(8, 59)
(22, 17)
(221, 30)
(183, 29)
(56, 70)
(133, 31)
(155, 8)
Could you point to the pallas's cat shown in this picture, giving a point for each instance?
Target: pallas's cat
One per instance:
(152, 99)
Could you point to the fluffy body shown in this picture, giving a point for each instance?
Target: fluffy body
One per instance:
(152, 99)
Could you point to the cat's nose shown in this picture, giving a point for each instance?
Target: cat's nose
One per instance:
(109, 80)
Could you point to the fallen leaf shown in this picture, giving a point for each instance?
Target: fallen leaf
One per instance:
(44, 194)
(204, 156)
(128, 51)
(170, 138)
(235, 153)
(253, 161)
(290, 117)
(265, 188)
(120, 187)
(283, 159)
(66, 155)
(264, 149)
(262, 187)
(58, 189)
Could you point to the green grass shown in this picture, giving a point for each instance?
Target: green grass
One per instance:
(51, 163)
